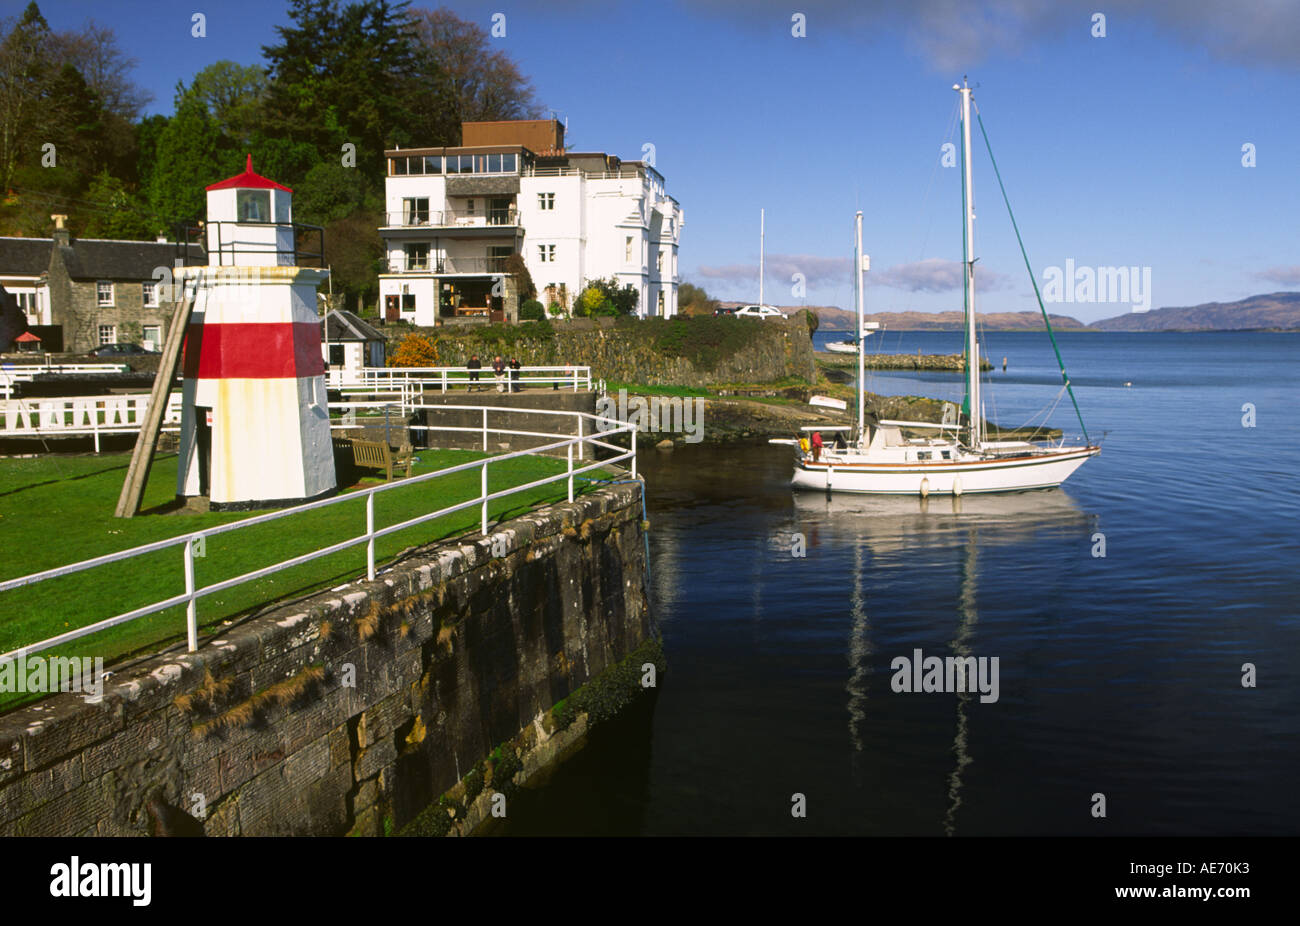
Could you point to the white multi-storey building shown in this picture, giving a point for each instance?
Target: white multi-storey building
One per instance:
(455, 217)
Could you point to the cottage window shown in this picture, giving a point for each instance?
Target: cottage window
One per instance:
(152, 335)
(104, 293)
(546, 201)
(107, 334)
(149, 294)
(546, 253)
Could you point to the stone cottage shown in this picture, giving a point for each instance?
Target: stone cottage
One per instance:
(81, 293)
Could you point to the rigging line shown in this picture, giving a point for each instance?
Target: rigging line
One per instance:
(1065, 377)
(925, 200)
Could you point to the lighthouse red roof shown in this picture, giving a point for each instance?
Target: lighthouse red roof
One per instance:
(249, 180)
(27, 337)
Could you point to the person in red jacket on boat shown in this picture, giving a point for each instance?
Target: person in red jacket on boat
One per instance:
(817, 445)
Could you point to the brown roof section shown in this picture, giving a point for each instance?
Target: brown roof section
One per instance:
(541, 136)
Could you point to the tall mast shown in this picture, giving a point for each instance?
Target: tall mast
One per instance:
(968, 263)
(761, 219)
(857, 288)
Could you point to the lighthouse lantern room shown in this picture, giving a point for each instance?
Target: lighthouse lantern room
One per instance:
(255, 426)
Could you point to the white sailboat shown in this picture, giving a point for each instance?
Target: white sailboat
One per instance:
(877, 459)
(853, 345)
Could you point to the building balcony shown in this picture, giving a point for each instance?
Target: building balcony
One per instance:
(494, 223)
(448, 266)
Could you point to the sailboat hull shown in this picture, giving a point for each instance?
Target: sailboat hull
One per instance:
(1047, 469)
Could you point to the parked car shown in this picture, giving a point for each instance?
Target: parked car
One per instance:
(759, 311)
(119, 350)
(730, 311)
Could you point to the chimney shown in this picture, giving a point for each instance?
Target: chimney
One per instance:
(60, 232)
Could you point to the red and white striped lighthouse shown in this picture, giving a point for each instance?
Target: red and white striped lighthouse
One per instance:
(255, 421)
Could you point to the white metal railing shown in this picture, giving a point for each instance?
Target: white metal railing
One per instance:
(568, 376)
(72, 416)
(451, 218)
(25, 371)
(399, 388)
(11, 373)
(188, 542)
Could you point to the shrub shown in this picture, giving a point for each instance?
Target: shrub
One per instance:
(555, 309)
(415, 350)
(703, 339)
(531, 311)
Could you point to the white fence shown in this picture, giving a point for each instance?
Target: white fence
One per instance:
(594, 441)
(11, 373)
(444, 378)
(74, 416)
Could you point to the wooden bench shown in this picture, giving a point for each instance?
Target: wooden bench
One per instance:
(371, 454)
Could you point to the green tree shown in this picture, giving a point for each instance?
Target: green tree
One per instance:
(192, 153)
(330, 192)
(693, 300)
(119, 213)
(24, 64)
(233, 95)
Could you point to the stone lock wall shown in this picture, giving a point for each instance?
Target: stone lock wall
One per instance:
(350, 710)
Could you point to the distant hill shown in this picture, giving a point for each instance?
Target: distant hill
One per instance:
(1274, 311)
(834, 318)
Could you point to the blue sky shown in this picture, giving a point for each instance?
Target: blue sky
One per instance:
(1117, 151)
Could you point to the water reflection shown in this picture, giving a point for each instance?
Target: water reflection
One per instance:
(889, 525)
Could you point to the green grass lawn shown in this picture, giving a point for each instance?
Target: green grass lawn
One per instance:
(58, 510)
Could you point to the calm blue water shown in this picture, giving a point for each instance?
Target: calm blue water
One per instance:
(1118, 675)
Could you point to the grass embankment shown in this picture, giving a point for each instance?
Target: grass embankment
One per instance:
(59, 510)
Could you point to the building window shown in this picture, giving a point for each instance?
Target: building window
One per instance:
(107, 334)
(546, 201)
(253, 205)
(627, 249)
(497, 256)
(103, 293)
(397, 166)
(469, 207)
(659, 262)
(152, 334)
(149, 294)
(417, 256)
(661, 303)
(27, 303)
(546, 253)
(415, 211)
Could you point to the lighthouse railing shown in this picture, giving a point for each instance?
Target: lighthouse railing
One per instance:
(602, 437)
